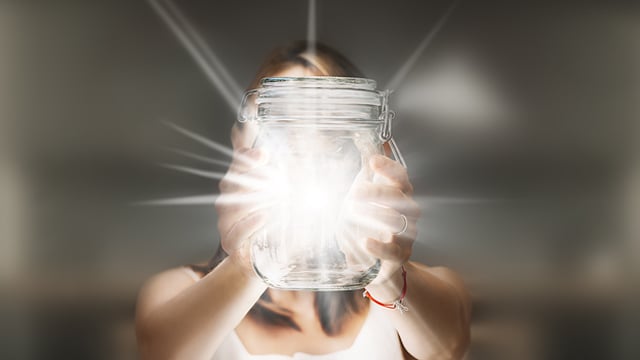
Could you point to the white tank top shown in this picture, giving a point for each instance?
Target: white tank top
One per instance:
(377, 339)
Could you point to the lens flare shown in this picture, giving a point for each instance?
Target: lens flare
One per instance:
(200, 51)
(403, 71)
(311, 27)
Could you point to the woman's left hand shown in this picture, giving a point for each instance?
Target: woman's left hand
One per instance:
(385, 207)
(437, 325)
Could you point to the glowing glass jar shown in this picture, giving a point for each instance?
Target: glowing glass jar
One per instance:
(320, 133)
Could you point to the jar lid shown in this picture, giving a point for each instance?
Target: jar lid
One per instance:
(318, 98)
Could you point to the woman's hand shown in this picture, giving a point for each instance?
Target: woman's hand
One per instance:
(385, 206)
(180, 318)
(242, 200)
(437, 323)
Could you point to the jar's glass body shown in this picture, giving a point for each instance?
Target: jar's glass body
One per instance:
(320, 134)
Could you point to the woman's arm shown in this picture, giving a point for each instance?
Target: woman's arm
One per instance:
(179, 319)
(436, 325)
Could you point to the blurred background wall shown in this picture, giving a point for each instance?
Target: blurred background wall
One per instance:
(518, 122)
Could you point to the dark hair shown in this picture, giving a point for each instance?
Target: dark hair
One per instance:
(320, 59)
(332, 307)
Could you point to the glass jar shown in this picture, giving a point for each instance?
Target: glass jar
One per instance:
(320, 133)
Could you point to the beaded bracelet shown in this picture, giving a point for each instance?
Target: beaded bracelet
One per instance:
(396, 304)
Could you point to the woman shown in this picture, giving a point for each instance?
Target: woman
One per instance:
(221, 310)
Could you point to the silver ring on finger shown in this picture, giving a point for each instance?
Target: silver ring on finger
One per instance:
(405, 225)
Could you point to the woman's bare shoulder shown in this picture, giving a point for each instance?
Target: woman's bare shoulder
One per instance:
(163, 286)
(450, 277)
(178, 276)
(444, 273)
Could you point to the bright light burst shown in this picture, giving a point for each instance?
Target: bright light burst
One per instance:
(308, 178)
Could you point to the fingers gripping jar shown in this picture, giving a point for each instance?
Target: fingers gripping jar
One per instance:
(319, 133)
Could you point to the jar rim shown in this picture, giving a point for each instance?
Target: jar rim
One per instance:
(359, 83)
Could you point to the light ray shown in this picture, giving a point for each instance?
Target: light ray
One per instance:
(186, 200)
(189, 170)
(373, 227)
(200, 157)
(202, 140)
(249, 182)
(200, 51)
(311, 28)
(401, 74)
(258, 200)
(437, 200)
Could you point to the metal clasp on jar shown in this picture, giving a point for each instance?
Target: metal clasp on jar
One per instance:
(387, 116)
(243, 109)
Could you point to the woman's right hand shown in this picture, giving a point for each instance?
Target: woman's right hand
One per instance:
(194, 324)
(241, 206)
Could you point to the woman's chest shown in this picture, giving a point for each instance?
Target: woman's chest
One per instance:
(259, 339)
(374, 338)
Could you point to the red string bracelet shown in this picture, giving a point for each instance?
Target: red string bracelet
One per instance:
(399, 302)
